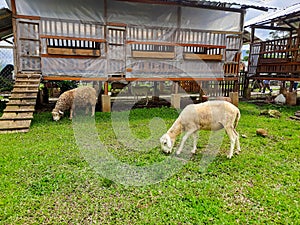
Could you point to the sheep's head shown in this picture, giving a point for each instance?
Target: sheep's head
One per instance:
(57, 115)
(166, 143)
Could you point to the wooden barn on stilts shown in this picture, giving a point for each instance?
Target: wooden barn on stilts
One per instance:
(190, 43)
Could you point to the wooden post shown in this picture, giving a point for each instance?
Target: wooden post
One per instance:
(106, 88)
(106, 103)
(234, 98)
(175, 101)
(155, 96)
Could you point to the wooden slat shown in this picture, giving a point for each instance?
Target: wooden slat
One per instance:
(11, 115)
(100, 40)
(175, 44)
(74, 51)
(157, 55)
(202, 57)
(14, 124)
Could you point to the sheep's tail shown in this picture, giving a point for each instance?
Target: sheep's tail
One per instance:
(237, 118)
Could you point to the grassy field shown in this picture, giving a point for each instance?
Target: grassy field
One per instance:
(45, 178)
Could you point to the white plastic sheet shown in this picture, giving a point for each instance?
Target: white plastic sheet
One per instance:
(166, 23)
(88, 10)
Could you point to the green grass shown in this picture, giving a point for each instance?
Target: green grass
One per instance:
(46, 180)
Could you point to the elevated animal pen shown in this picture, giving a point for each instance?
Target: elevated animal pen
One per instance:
(148, 40)
(118, 40)
(277, 59)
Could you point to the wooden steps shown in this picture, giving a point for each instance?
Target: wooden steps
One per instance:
(19, 110)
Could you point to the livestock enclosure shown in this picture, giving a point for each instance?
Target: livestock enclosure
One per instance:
(279, 58)
(161, 40)
(194, 44)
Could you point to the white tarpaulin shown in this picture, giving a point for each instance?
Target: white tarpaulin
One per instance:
(66, 27)
(87, 10)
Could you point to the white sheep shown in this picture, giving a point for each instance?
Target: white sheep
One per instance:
(78, 97)
(211, 115)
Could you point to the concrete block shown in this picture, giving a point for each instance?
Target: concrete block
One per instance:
(175, 101)
(106, 103)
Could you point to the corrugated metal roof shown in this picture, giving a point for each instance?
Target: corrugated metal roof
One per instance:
(228, 3)
(267, 17)
(247, 3)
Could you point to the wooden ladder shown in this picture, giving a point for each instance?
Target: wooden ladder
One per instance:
(19, 110)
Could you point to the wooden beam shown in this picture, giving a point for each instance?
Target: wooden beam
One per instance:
(202, 57)
(272, 28)
(156, 55)
(100, 40)
(175, 44)
(56, 78)
(74, 51)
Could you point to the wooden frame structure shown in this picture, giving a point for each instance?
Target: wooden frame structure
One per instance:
(129, 40)
(277, 59)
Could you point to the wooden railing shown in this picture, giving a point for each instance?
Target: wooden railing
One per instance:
(280, 56)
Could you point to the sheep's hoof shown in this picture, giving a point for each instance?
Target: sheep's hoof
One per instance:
(193, 151)
(178, 153)
(229, 156)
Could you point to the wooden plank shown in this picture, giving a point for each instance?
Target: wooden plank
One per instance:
(17, 90)
(100, 40)
(157, 55)
(20, 108)
(19, 96)
(15, 130)
(55, 78)
(74, 51)
(202, 57)
(14, 124)
(175, 44)
(20, 103)
(25, 85)
(16, 118)
(14, 114)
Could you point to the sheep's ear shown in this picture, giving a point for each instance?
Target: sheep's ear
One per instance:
(61, 112)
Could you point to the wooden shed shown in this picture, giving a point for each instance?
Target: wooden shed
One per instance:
(277, 59)
(124, 40)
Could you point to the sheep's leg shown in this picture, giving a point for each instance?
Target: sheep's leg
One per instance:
(93, 110)
(71, 112)
(195, 137)
(237, 142)
(87, 109)
(232, 136)
(185, 137)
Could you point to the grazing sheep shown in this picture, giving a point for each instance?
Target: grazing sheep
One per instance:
(78, 97)
(211, 115)
(140, 91)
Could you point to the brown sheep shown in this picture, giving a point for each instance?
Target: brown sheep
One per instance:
(78, 97)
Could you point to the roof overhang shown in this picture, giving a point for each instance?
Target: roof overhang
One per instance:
(283, 20)
(216, 4)
(6, 29)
